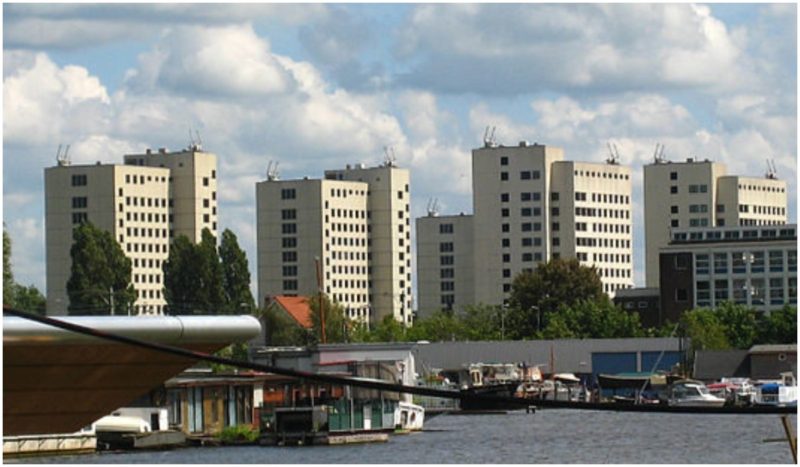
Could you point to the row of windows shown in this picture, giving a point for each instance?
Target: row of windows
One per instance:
(713, 235)
(147, 278)
(151, 293)
(350, 284)
(147, 202)
(613, 176)
(147, 263)
(759, 222)
(343, 193)
(354, 242)
(772, 189)
(738, 262)
(614, 273)
(597, 212)
(767, 210)
(147, 217)
(530, 175)
(341, 227)
(146, 232)
(140, 179)
(752, 291)
(603, 198)
(602, 242)
(146, 247)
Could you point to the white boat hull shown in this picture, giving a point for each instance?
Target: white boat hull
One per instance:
(409, 417)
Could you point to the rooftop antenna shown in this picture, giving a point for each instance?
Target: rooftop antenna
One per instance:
(194, 143)
(62, 158)
(389, 157)
(658, 154)
(772, 172)
(613, 154)
(433, 207)
(489, 140)
(272, 171)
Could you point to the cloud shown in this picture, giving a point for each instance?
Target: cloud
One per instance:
(220, 62)
(73, 26)
(508, 49)
(38, 91)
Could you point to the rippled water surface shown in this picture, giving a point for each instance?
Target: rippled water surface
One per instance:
(548, 436)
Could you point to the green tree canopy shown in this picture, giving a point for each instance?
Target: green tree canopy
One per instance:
(780, 327)
(592, 319)
(705, 329)
(235, 276)
(8, 276)
(16, 295)
(337, 325)
(741, 324)
(100, 274)
(193, 280)
(537, 295)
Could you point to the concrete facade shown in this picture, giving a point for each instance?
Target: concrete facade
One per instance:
(356, 221)
(192, 188)
(700, 194)
(144, 204)
(388, 236)
(750, 265)
(445, 256)
(530, 206)
(131, 203)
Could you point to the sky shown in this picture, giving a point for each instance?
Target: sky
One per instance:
(319, 86)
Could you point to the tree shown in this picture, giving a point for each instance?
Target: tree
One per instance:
(193, 277)
(179, 282)
(29, 299)
(100, 280)
(209, 278)
(780, 327)
(235, 276)
(536, 295)
(705, 329)
(483, 323)
(592, 319)
(337, 325)
(282, 330)
(8, 276)
(741, 324)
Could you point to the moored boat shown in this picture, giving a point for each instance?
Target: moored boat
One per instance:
(692, 393)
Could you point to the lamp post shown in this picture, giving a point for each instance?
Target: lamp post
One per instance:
(503, 311)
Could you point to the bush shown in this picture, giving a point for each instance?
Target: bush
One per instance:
(239, 433)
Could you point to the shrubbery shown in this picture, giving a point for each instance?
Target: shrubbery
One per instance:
(239, 433)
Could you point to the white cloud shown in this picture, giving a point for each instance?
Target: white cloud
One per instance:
(227, 61)
(42, 102)
(508, 49)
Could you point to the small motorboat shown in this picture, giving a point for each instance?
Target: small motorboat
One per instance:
(692, 393)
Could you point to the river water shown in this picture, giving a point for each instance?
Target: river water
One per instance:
(548, 436)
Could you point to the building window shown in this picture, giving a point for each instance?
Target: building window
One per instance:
(673, 209)
(79, 217)
(79, 202)
(776, 261)
(288, 214)
(720, 263)
(446, 260)
(289, 242)
(504, 160)
(504, 197)
(673, 175)
(554, 211)
(554, 196)
(446, 228)
(720, 290)
(505, 228)
(289, 284)
(525, 175)
(448, 286)
(447, 273)
(288, 193)
(290, 271)
(289, 256)
(681, 295)
(556, 227)
(506, 258)
(446, 247)
(504, 212)
(525, 212)
(288, 228)
(79, 180)
(701, 264)
(503, 176)
(674, 223)
(506, 243)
